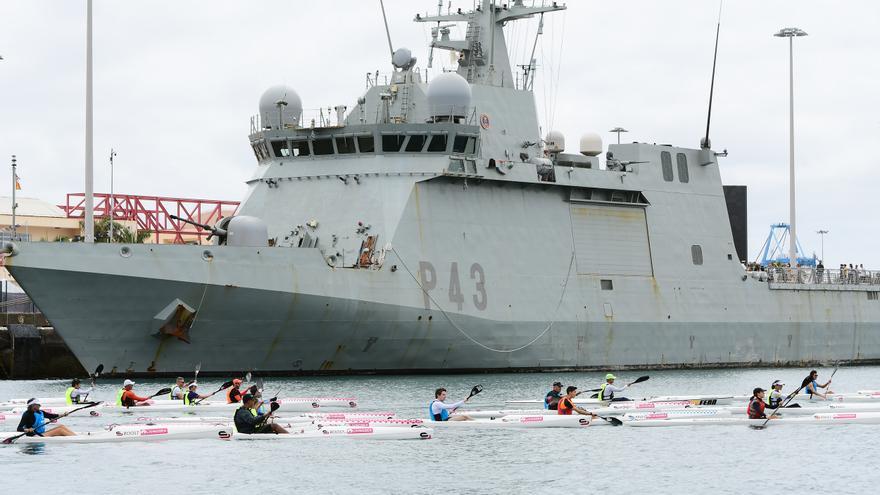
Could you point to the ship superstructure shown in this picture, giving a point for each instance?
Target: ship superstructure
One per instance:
(430, 227)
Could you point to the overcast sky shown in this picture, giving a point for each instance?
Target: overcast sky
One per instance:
(177, 81)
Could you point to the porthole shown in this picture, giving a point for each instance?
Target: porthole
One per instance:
(207, 255)
(125, 251)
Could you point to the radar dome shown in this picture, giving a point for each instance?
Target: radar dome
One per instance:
(402, 58)
(591, 144)
(449, 94)
(280, 106)
(555, 141)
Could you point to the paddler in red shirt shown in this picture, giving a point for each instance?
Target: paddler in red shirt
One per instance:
(126, 396)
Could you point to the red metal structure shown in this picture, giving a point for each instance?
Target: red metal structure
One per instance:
(153, 213)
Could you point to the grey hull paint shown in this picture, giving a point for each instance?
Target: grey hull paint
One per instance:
(308, 334)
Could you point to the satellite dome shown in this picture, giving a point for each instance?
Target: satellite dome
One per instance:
(284, 98)
(402, 58)
(555, 141)
(591, 144)
(449, 94)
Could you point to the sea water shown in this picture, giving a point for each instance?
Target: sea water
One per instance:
(839, 459)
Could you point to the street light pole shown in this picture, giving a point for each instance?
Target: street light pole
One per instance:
(89, 221)
(791, 33)
(822, 236)
(112, 198)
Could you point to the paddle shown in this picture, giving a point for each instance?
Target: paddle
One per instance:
(222, 387)
(9, 440)
(613, 421)
(198, 368)
(474, 391)
(788, 399)
(637, 380)
(98, 371)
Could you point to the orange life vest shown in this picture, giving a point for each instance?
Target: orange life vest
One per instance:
(565, 406)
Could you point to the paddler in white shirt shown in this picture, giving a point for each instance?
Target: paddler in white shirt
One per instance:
(75, 394)
(440, 410)
(178, 391)
(608, 389)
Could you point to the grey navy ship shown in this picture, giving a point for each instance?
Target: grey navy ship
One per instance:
(430, 227)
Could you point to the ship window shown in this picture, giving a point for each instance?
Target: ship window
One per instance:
(323, 146)
(281, 149)
(464, 144)
(682, 160)
(606, 284)
(300, 148)
(666, 161)
(257, 152)
(365, 144)
(456, 165)
(697, 254)
(873, 296)
(392, 142)
(416, 143)
(438, 144)
(345, 144)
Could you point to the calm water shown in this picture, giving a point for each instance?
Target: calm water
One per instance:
(720, 459)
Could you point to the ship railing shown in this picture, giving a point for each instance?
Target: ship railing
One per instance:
(818, 276)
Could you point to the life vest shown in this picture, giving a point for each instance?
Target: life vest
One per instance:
(602, 396)
(122, 401)
(254, 412)
(775, 399)
(756, 408)
(119, 396)
(187, 401)
(175, 390)
(565, 406)
(442, 416)
(68, 396)
(39, 420)
(229, 394)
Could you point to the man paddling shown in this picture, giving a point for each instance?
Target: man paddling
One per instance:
(127, 398)
(233, 395)
(608, 389)
(439, 410)
(33, 422)
(551, 400)
(248, 422)
(566, 406)
(811, 386)
(75, 394)
(179, 390)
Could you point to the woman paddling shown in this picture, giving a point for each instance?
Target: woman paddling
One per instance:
(33, 422)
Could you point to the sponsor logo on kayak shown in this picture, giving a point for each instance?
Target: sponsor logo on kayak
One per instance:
(845, 416)
(224, 435)
(2, 417)
(154, 431)
(657, 416)
(584, 422)
(646, 405)
(358, 431)
(425, 436)
(531, 419)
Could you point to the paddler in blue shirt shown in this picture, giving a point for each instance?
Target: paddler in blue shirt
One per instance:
(33, 422)
(192, 395)
(811, 386)
(438, 410)
(551, 400)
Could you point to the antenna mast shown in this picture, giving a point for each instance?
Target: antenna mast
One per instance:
(705, 143)
(387, 31)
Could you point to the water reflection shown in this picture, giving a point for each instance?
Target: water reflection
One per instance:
(33, 449)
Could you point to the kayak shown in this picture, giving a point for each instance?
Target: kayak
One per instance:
(355, 433)
(131, 433)
(306, 418)
(523, 421)
(168, 406)
(649, 403)
(827, 418)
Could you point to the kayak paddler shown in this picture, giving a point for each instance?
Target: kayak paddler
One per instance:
(179, 390)
(75, 394)
(233, 395)
(127, 398)
(757, 405)
(192, 394)
(775, 397)
(551, 400)
(248, 422)
(811, 386)
(33, 419)
(438, 410)
(608, 389)
(566, 404)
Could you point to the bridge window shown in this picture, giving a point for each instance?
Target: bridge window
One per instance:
(300, 148)
(365, 144)
(606, 284)
(345, 144)
(683, 175)
(281, 149)
(323, 146)
(666, 162)
(416, 143)
(438, 143)
(464, 144)
(697, 254)
(392, 142)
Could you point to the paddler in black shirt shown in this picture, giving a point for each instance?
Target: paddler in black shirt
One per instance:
(247, 421)
(551, 400)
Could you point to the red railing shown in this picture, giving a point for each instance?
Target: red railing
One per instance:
(153, 213)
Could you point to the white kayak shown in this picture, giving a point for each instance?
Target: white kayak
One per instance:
(523, 421)
(652, 402)
(132, 433)
(305, 418)
(348, 433)
(169, 406)
(817, 419)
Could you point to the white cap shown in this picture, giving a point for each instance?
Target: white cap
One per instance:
(31, 402)
(127, 383)
(193, 384)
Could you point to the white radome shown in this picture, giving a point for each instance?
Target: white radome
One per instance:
(271, 101)
(591, 144)
(449, 94)
(402, 57)
(555, 141)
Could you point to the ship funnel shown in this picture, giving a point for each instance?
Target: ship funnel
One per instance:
(449, 96)
(555, 142)
(591, 144)
(280, 106)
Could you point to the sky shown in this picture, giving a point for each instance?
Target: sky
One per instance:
(176, 83)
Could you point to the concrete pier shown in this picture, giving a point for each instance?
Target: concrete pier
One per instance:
(34, 350)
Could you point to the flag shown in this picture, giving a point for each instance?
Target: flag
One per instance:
(17, 183)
